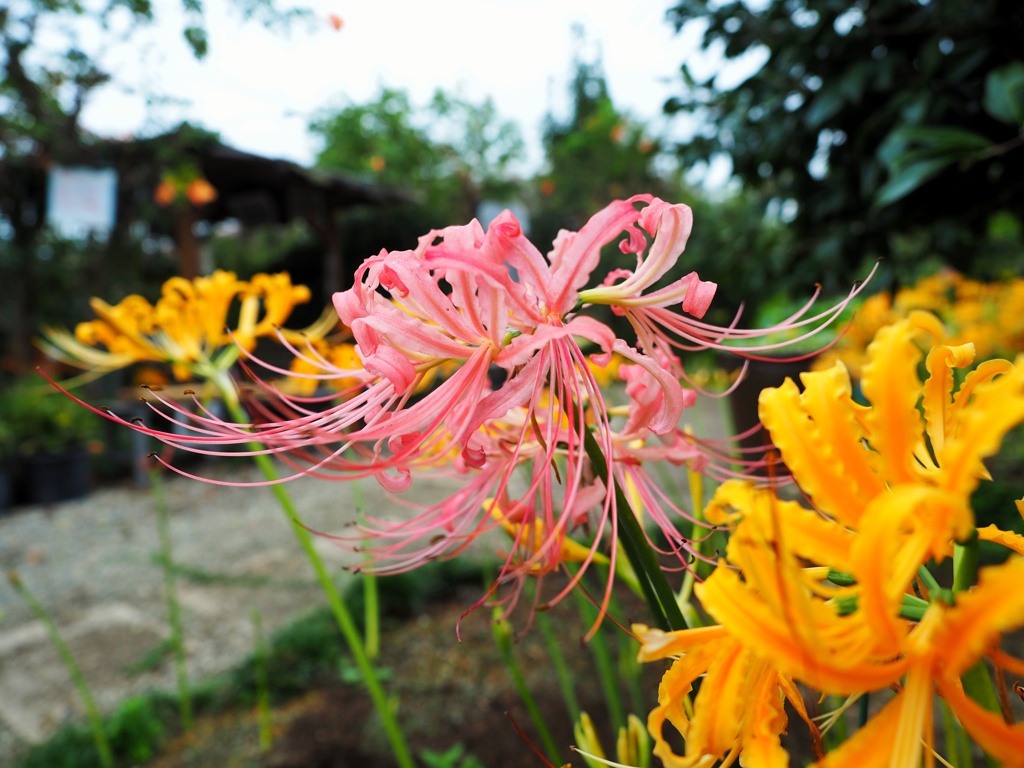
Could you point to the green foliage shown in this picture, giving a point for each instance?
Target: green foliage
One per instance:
(71, 747)
(994, 500)
(136, 730)
(151, 659)
(259, 250)
(452, 153)
(40, 419)
(914, 154)
(310, 647)
(453, 757)
(598, 154)
(296, 656)
(874, 118)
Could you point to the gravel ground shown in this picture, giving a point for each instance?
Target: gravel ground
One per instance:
(90, 562)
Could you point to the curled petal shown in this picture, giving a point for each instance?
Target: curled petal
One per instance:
(673, 400)
(574, 258)
(996, 408)
(891, 385)
(390, 364)
(822, 444)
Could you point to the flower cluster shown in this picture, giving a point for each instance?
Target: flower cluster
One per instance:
(989, 315)
(522, 415)
(189, 327)
(837, 597)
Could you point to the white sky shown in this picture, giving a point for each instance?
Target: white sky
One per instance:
(259, 88)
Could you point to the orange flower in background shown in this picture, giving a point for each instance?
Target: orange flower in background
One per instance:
(335, 21)
(307, 370)
(988, 315)
(547, 187)
(166, 192)
(200, 192)
(377, 163)
(188, 184)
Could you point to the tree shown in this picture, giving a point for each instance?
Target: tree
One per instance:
(452, 152)
(596, 155)
(894, 125)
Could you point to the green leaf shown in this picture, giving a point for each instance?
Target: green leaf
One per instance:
(912, 145)
(909, 179)
(1004, 93)
(196, 38)
(827, 103)
(940, 137)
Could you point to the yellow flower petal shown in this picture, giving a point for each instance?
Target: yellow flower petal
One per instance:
(825, 454)
(997, 407)
(980, 616)
(1008, 539)
(866, 747)
(657, 644)
(937, 401)
(736, 607)
(892, 387)
(1003, 742)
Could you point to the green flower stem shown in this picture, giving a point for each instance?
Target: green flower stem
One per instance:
(629, 668)
(965, 562)
(262, 686)
(371, 598)
(686, 592)
(503, 638)
(657, 592)
(606, 675)
(173, 606)
(92, 712)
(912, 608)
(562, 671)
(928, 580)
(341, 614)
(958, 744)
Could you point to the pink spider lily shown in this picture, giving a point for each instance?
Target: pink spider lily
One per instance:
(481, 300)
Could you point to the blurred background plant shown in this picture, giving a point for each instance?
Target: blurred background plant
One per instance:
(40, 420)
(864, 124)
(989, 315)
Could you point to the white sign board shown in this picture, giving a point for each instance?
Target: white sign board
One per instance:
(81, 200)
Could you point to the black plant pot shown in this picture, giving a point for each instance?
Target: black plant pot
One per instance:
(53, 477)
(6, 485)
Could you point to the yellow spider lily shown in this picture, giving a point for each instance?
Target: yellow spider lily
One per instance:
(188, 327)
(739, 708)
(891, 486)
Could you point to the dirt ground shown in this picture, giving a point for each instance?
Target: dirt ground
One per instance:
(448, 693)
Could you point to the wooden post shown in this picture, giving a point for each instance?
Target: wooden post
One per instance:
(188, 243)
